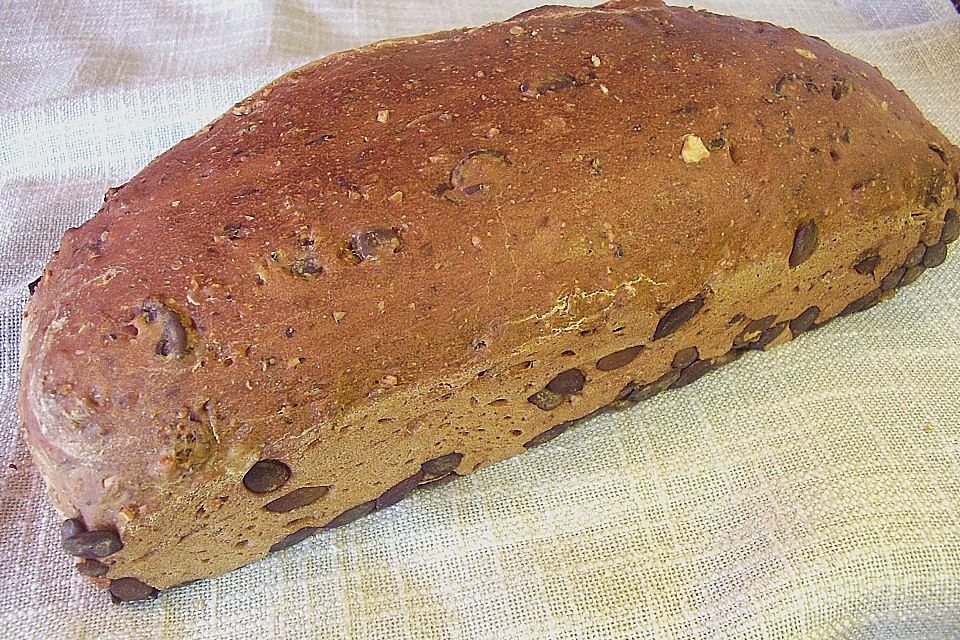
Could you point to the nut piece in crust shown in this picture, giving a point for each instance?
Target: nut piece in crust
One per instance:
(173, 335)
(693, 149)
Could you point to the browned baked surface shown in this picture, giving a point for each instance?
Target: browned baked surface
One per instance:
(419, 256)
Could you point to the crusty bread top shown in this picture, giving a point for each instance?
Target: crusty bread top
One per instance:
(223, 299)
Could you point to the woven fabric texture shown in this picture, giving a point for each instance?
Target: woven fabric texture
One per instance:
(811, 492)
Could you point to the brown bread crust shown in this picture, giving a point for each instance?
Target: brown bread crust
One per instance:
(408, 259)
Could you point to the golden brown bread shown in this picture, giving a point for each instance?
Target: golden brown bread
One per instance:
(419, 257)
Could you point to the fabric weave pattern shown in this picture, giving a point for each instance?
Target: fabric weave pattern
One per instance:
(811, 492)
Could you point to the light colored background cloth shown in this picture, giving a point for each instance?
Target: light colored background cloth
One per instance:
(813, 492)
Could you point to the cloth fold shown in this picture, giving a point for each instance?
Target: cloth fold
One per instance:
(810, 492)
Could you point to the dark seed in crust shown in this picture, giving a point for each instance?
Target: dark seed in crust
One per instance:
(675, 318)
(867, 266)
(787, 81)
(71, 527)
(915, 256)
(294, 538)
(547, 435)
(350, 515)
(480, 173)
(619, 359)
(753, 330)
(622, 401)
(567, 382)
(804, 243)
(93, 544)
(840, 89)
(804, 321)
(375, 243)
(266, 476)
(234, 231)
(399, 491)
(305, 267)
(951, 227)
(130, 589)
(935, 255)
(546, 399)
(660, 384)
(862, 304)
(296, 499)
(693, 373)
(91, 567)
(685, 357)
(626, 391)
(716, 143)
(892, 280)
(173, 340)
(767, 336)
(32, 286)
(771, 334)
(440, 466)
(911, 275)
(547, 83)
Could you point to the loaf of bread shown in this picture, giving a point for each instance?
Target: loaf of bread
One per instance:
(402, 263)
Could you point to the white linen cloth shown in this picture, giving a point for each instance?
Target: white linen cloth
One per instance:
(812, 492)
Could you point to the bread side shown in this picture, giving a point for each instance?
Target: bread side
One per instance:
(416, 258)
